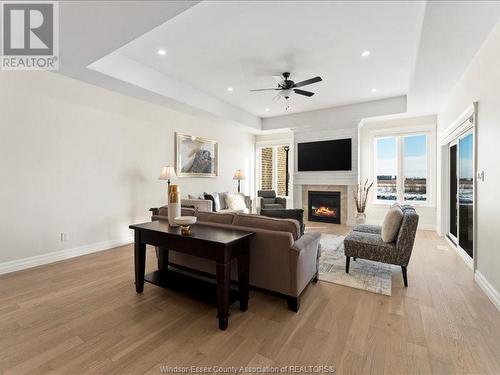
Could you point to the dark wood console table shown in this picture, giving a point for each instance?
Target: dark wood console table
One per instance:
(217, 244)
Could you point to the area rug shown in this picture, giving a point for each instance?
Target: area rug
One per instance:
(363, 274)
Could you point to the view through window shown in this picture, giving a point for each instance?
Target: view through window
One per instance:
(415, 168)
(386, 169)
(281, 171)
(402, 157)
(266, 168)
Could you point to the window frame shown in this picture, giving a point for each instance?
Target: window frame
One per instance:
(400, 134)
(274, 145)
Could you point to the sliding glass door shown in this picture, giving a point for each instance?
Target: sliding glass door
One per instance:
(461, 187)
(453, 193)
(466, 193)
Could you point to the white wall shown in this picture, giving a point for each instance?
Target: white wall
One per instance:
(481, 82)
(375, 211)
(82, 160)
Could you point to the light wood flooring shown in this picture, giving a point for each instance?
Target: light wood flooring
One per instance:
(83, 316)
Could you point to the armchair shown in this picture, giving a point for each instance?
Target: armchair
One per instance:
(365, 242)
(268, 200)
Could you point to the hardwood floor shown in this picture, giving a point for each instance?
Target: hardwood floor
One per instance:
(83, 316)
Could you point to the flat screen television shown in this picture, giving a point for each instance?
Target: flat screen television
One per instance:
(334, 155)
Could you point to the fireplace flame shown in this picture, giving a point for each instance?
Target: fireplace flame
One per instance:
(325, 211)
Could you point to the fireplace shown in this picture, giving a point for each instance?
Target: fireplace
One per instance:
(324, 206)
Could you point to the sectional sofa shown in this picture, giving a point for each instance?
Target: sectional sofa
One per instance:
(282, 260)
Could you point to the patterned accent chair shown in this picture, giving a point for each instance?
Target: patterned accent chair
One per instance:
(365, 242)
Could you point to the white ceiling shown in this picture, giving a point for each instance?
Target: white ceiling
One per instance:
(241, 44)
(452, 33)
(417, 49)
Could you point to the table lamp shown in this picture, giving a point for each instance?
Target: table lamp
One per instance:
(238, 175)
(167, 173)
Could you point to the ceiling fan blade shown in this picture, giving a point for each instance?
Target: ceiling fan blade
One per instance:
(303, 92)
(264, 89)
(279, 80)
(308, 82)
(277, 98)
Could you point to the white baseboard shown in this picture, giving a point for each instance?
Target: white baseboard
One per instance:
(38, 260)
(488, 289)
(461, 253)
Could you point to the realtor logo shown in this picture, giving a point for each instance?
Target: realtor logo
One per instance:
(30, 35)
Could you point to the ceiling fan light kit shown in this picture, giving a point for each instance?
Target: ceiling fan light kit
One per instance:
(287, 87)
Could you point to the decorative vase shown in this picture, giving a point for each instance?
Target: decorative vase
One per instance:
(174, 205)
(360, 218)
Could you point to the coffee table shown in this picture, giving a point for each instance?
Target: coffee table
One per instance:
(220, 245)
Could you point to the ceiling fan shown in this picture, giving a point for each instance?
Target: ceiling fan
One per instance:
(287, 87)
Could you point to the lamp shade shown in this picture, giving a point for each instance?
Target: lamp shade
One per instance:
(239, 175)
(167, 173)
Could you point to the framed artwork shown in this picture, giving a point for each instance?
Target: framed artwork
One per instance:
(196, 156)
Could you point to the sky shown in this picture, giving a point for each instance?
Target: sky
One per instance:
(415, 160)
(465, 152)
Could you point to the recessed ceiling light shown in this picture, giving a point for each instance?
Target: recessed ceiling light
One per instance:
(161, 52)
(267, 109)
(374, 90)
(365, 54)
(229, 89)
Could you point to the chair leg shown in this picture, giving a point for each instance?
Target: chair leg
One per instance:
(347, 260)
(315, 278)
(405, 278)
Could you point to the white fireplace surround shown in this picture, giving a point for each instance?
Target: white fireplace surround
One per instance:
(342, 181)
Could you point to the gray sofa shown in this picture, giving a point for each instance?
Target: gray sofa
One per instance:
(365, 242)
(282, 260)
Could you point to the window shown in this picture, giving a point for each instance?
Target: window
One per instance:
(273, 169)
(401, 168)
(266, 168)
(281, 171)
(386, 169)
(415, 168)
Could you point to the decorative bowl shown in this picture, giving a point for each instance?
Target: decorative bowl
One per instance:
(185, 220)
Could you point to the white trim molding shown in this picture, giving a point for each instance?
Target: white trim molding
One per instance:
(38, 260)
(488, 289)
(465, 123)
(461, 125)
(431, 155)
(469, 262)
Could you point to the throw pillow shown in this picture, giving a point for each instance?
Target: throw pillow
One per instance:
(235, 202)
(217, 202)
(209, 197)
(222, 200)
(392, 222)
